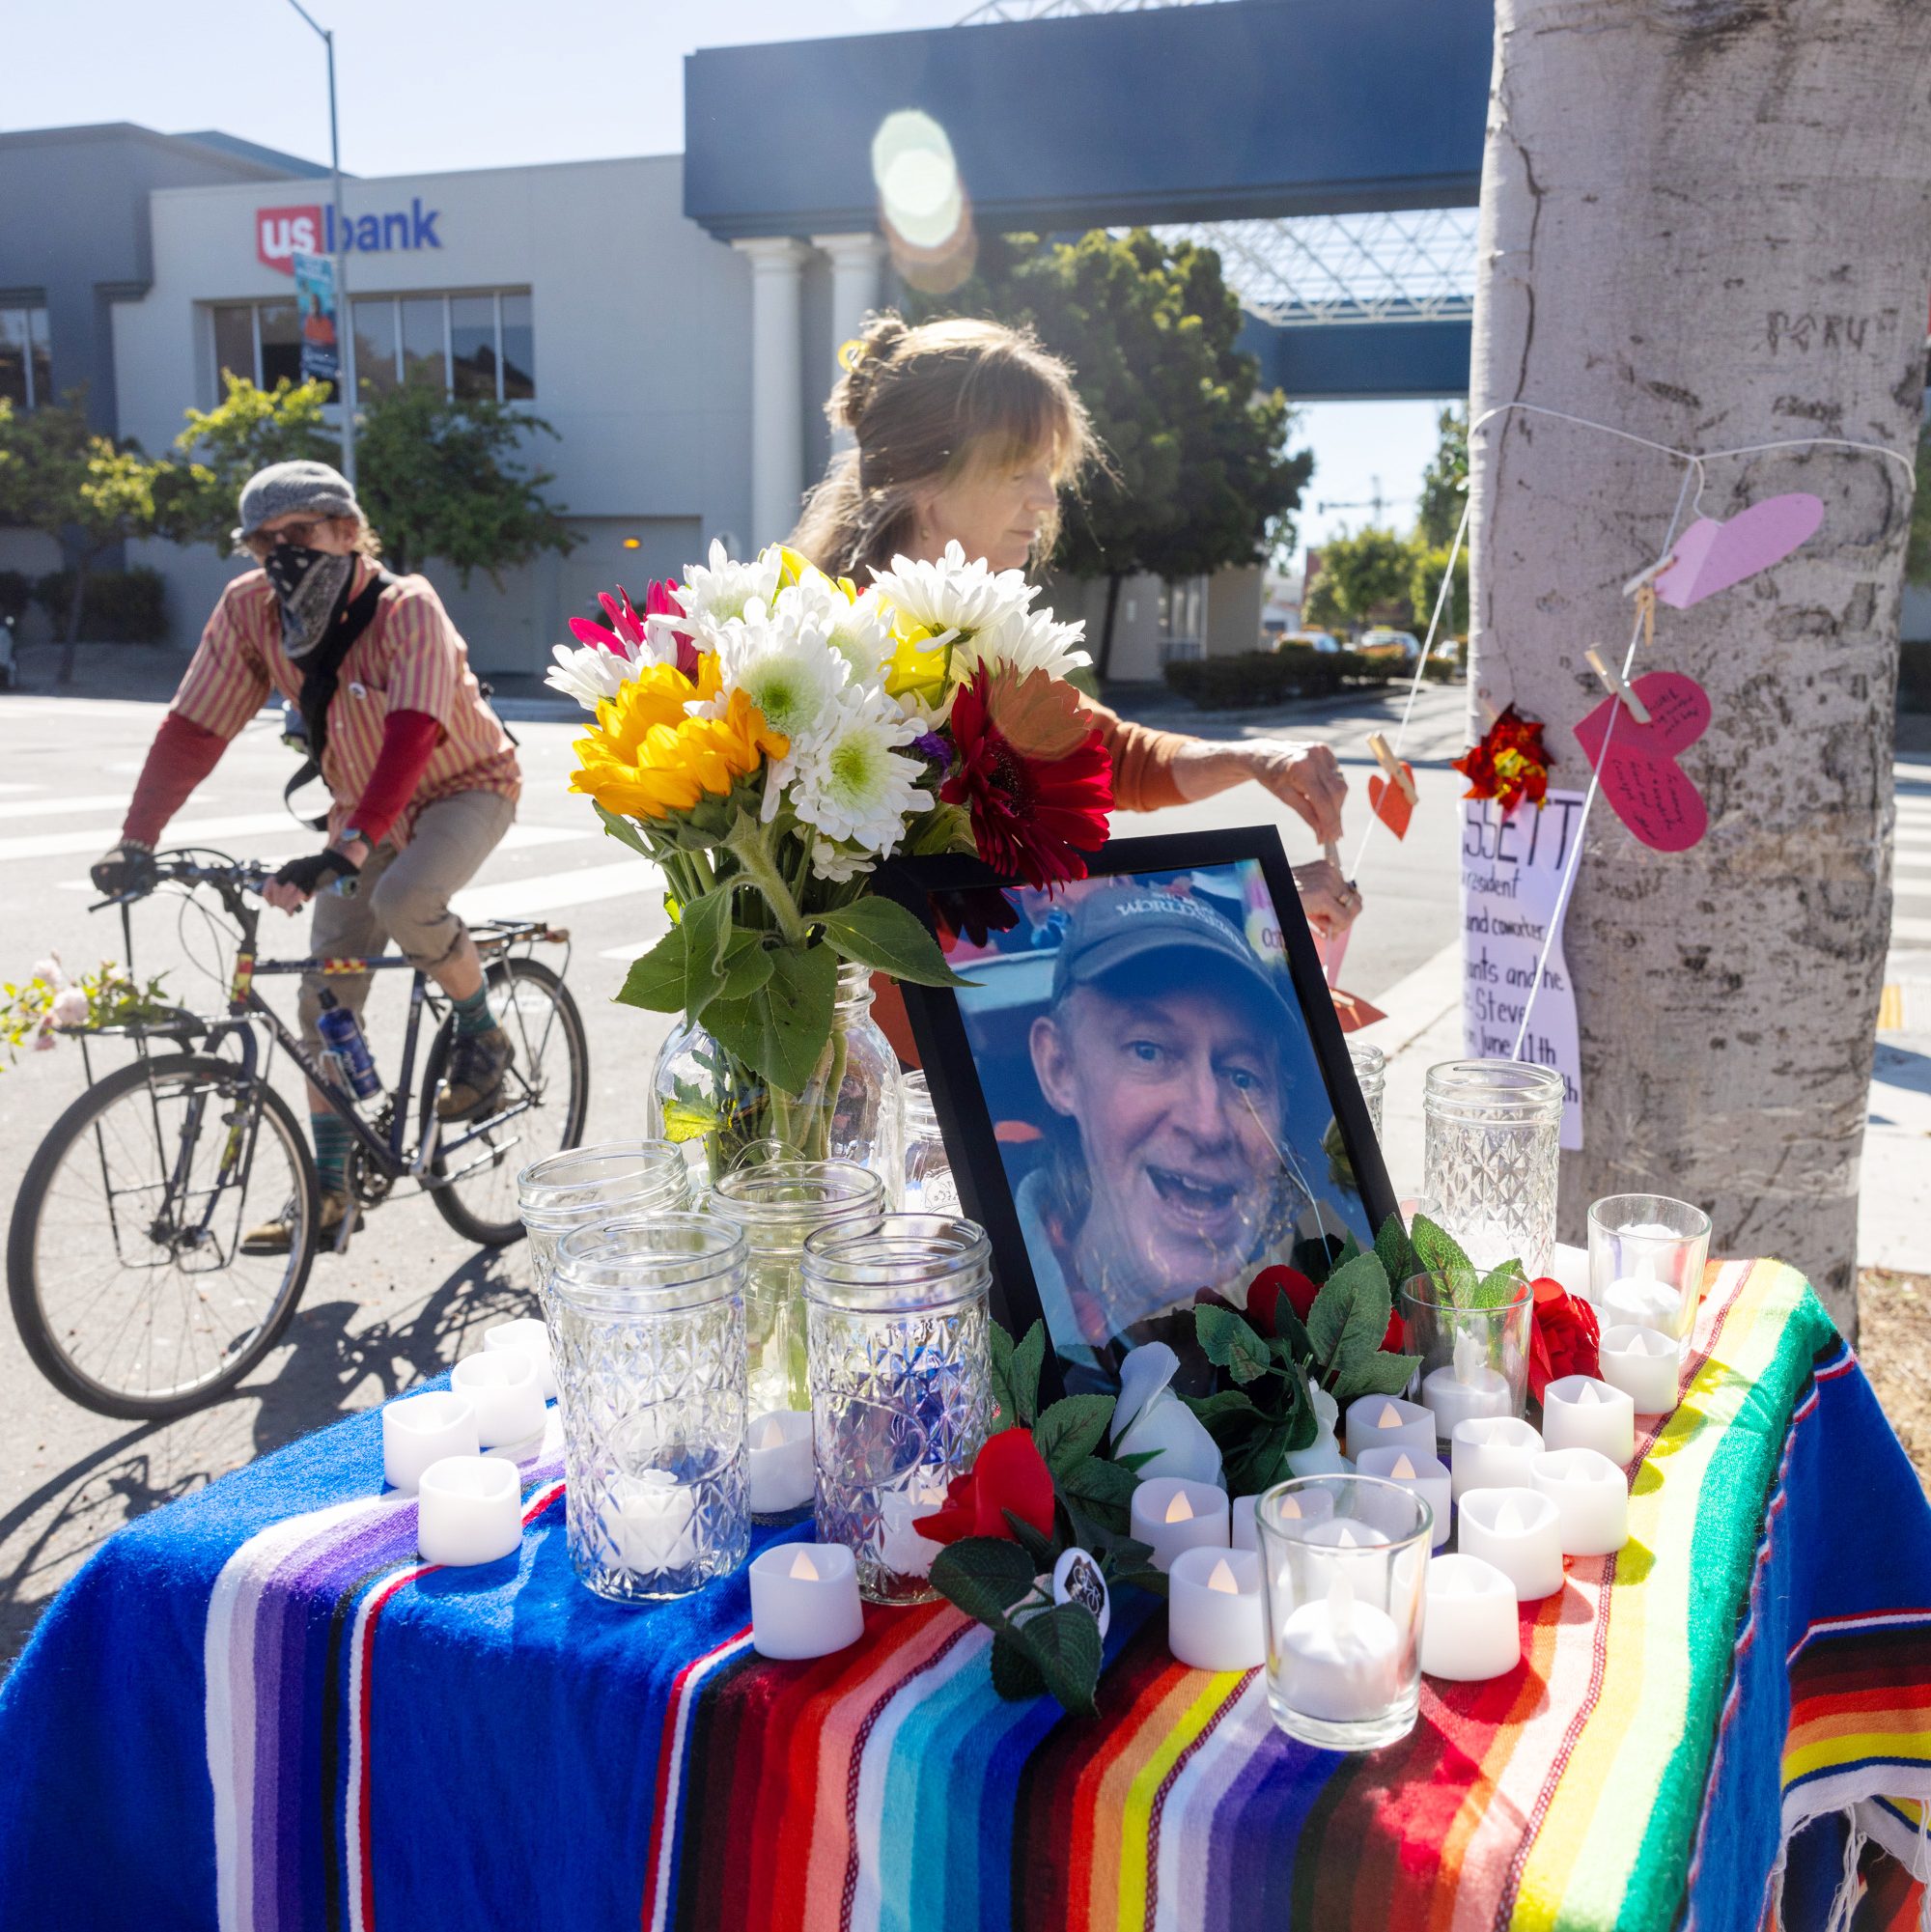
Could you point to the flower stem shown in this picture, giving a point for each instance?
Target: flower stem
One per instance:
(746, 844)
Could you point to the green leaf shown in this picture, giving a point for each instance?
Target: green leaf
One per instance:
(1376, 1374)
(1064, 1645)
(1259, 1463)
(1071, 1430)
(1349, 1248)
(706, 927)
(780, 1032)
(1396, 1251)
(748, 966)
(1028, 1359)
(1497, 1287)
(621, 829)
(1103, 1491)
(1129, 1561)
(985, 1576)
(1329, 1318)
(943, 829)
(1043, 1549)
(1229, 1343)
(1016, 1677)
(882, 935)
(1000, 1352)
(1292, 1343)
(1437, 1250)
(1135, 1460)
(1142, 1576)
(656, 982)
(1221, 1404)
(1368, 1323)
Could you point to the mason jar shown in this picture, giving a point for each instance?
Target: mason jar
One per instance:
(581, 1186)
(929, 1186)
(1493, 1140)
(899, 1360)
(1370, 1065)
(648, 1331)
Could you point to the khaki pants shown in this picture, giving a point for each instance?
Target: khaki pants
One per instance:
(402, 896)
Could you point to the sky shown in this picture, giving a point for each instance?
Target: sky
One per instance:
(425, 87)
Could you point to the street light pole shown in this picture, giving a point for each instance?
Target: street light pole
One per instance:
(345, 327)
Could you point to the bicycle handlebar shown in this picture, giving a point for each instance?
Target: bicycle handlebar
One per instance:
(243, 876)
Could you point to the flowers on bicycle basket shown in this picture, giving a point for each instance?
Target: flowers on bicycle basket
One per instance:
(50, 1004)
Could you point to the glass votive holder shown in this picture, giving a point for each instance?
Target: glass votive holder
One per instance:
(777, 1205)
(1475, 1360)
(1342, 1596)
(929, 1186)
(419, 1430)
(900, 1373)
(585, 1185)
(649, 1333)
(469, 1509)
(1646, 1260)
(1491, 1153)
(1370, 1066)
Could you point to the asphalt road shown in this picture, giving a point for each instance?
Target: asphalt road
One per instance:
(409, 1297)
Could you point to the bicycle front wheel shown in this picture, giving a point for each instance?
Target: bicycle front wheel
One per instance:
(124, 1262)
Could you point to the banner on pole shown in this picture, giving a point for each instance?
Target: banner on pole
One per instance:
(1511, 882)
(315, 304)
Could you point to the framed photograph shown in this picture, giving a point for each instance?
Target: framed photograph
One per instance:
(1144, 1092)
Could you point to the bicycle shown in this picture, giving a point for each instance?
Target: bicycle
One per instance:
(124, 1264)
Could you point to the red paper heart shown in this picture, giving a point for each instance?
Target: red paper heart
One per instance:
(1646, 786)
(1390, 803)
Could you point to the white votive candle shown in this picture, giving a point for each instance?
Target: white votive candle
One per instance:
(1172, 1514)
(1387, 1423)
(804, 1600)
(1518, 1532)
(1469, 1630)
(1580, 1413)
(505, 1388)
(527, 1335)
(1497, 1453)
(469, 1509)
(1214, 1618)
(1464, 1389)
(901, 1548)
(1427, 1476)
(1645, 1365)
(1304, 1505)
(1340, 1659)
(652, 1529)
(423, 1429)
(778, 1460)
(1591, 1500)
(1645, 1302)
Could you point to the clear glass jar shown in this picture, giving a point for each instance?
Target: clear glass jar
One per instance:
(775, 1206)
(1370, 1066)
(584, 1185)
(719, 1112)
(1493, 1144)
(929, 1186)
(1646, 1258)
(649, 1336)
(897, 1344)
(1474, 1359)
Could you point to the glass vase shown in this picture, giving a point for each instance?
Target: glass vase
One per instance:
(1492, 1134)
(901, 1381)
(1370, 1065)
(724, 1116)
(929, 1186)
(649, 1340)
(583, 1186)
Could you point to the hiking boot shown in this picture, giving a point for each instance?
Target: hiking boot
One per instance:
(275, 1236)
(477, 1064)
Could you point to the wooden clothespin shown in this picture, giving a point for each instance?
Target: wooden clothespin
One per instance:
(1642, 587)
(1396, 769)
(1617, 687)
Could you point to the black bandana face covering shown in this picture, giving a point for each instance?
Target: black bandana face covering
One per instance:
(309, 585)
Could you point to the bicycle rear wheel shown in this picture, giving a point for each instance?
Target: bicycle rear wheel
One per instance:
(124, 1262)
(545, 1096)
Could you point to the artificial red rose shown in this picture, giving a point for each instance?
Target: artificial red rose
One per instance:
(1009, 1473)
(1562, 1335)
(1265, 1289)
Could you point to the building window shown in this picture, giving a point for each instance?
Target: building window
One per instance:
(470, 345)
(26, 363)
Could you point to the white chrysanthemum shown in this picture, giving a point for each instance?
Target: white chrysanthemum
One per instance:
(720, 594)
(588, 673)
(860, 630)
(1024, 641)
(785, 668)
(853, 783)
(952, 595)
(837, 865)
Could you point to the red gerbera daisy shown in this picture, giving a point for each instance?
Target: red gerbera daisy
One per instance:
(1034, 772)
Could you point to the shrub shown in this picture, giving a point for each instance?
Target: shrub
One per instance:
(118, 608)
(1258, 678)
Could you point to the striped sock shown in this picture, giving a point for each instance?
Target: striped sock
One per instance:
(473, 1015)
(331, 1152)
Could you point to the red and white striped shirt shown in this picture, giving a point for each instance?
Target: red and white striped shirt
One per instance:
(411, 658)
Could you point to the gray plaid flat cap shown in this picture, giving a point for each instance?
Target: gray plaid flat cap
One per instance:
(285, 487)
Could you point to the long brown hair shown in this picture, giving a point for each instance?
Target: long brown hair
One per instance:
(925, 405)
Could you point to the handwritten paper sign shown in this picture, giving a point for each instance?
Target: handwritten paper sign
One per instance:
(1511, 879)
(1646, 788)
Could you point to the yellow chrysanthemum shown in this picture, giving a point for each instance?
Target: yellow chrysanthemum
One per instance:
(918, 667)
(648, 757)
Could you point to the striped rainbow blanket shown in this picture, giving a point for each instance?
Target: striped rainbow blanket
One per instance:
(256, 1708)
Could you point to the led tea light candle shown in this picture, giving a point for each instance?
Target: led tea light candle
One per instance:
(469, 1509)
(1422, 1475)
(526, 1335)
(1494, 1454)
(652, 1526)
(1465, 1389)
(423, 1429)
(1591, 1500)
(777, 1464)
(1214, 1610)
(1340, 1659)
(505, 1388)
(901, 1548)
(1580, 1413)
(1306, 1506)
(1645, 1365)
(1518, 1531)
(804, 1600)
(1172, 1514)
(1471, 1631)
(1387, 1423)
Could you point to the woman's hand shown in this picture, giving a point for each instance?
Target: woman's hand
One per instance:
(1307, 777)
(1330, 903)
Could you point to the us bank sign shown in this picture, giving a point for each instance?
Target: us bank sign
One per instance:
(281, 234)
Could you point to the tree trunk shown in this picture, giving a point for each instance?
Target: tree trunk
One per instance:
(1708, 223)
(71, 642)
(1103, 668)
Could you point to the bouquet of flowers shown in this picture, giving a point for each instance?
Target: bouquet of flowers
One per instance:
(767, 735)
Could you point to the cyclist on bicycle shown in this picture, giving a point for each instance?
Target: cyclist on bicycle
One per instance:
(422, 777)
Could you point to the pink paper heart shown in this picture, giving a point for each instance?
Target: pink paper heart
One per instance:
(1641, 778)
(1710, 556)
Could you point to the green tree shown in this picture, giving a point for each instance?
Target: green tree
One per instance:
(223, 447)
(1424, 586)
(1358, 575)
(1917, 552)
(1444, 483)
(1195, 472)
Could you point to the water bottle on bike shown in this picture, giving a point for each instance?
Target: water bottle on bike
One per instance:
(344, 1043)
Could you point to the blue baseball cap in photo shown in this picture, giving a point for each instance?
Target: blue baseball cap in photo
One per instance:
(1106, 931)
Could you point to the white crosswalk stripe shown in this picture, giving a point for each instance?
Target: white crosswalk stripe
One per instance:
(522, 898)
(98, 801)
(187, 832)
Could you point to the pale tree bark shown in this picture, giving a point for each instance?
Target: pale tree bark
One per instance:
(1709, 223)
